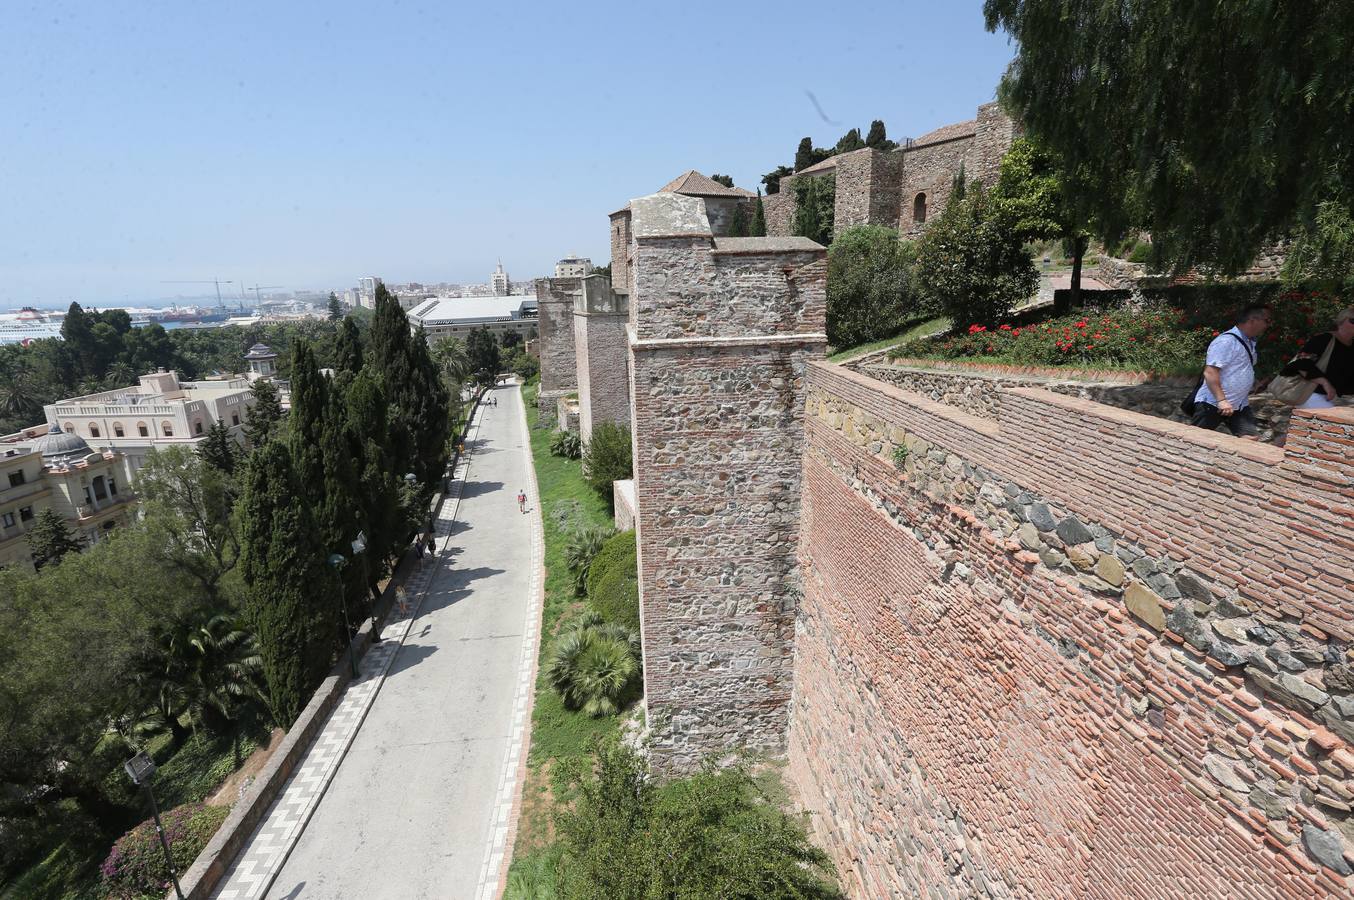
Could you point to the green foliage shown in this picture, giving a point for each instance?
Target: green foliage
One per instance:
(807, 155)
(1323, 250)
(483, 351)
(971, 262)
(1163, 336)
(878, 137)
(608, 457)
(738, 225)
(521, 363)
(815, 207)
(135, 868)
(51, 539)
(726, 180)
(265, 412)
(583, 545)
(335, 308)
(1215, 128)
(758, 226)
(188, 508)
(595, 666)
(900, 454)
(218, 449)
(289, 603)
(714, 834)
(869, 285)
(1141, 253)
(348, 347)
(613, 581)
(566, 444)
(771, 180)
(849, 142)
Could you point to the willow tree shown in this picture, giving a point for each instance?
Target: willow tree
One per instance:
(1216, 125)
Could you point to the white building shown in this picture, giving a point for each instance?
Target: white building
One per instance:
(573, 267)
(458, 316)
(366, 291)
(158, 411)
(499, 283)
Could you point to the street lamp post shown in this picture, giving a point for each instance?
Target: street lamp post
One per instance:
(141, 768)
(337, 560)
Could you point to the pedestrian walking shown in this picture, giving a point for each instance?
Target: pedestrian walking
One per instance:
(1223, 395)
(431, 540)
(402, 600)
(418, 548)
(521, 500)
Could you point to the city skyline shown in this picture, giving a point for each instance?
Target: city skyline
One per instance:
(147, 153)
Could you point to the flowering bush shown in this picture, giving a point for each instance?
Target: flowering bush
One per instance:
(1155, 338)
(135, 868)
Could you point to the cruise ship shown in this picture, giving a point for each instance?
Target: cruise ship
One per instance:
(28, 324)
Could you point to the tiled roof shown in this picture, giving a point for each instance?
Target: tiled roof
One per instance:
(826, 165)
(947, 132)
(694, 184)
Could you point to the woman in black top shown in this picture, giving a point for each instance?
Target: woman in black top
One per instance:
(1337, 378)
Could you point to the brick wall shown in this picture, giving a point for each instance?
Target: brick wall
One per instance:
(555, 331)
(600, 348)
(723, 331)
(779, 210)
(1072, 651)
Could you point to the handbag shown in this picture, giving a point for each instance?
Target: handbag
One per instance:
(1187, 404)
(1294, 390)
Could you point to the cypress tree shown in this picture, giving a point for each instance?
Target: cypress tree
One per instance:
(218, 449)
(264, 413)
(388, 352)
(804, 155)
(291, 593)
(877, 138)
(51, 539)
(308, 390)
(758, 226)
(348, 347)
(428, 402)
(378, 485)
(340, 514)
(738, 227)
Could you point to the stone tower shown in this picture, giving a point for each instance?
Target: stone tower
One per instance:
(721, 330)
(601, 355)
(555, 331)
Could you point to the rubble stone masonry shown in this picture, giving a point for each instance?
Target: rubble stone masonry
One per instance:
(722, 330)
(601, 351)
(555, 331)
(1063, 649)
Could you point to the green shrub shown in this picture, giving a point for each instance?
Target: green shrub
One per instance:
(971, 263)
(619, 550)
(815, 207)
(1141, 253)
(869, 286)
(135, 868)
(584, 544)
(608, 457)
(712, 834)
(594, 666)
(566, 444)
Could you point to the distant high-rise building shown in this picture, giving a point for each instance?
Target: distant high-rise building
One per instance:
(573, 267)
(366, 290)
(502, 287)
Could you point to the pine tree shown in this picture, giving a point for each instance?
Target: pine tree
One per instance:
(51, 539)
(738, 225)
(335, 308)
(348, 347)
(264, 413)
(758, 226)
(804, 155)
(291, 597)
(218, 449)
(877, 138)
(849, 142)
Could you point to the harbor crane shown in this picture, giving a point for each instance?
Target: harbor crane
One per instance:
(216, 281)
(258, 301)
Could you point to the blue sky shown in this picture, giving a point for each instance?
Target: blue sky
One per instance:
(306, 144)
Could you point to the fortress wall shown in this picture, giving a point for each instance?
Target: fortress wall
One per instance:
(555, 332)
(779, 210)
(1072, 651)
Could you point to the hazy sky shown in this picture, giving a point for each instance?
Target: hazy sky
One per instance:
(306, 144)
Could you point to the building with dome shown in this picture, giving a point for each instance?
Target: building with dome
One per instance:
(90, 489)
(158, 411)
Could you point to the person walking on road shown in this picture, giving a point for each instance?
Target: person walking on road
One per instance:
(521, 500)
(402, 600)
(431, 540)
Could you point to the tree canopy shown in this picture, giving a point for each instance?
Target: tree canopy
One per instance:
(1215, 126)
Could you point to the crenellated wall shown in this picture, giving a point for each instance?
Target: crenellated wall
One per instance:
(1067, 650)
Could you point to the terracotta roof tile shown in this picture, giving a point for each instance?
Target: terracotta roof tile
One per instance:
(694, 184)
(947, 132)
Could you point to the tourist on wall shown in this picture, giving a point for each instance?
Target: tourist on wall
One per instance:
(1324, 370)
(1229, 374)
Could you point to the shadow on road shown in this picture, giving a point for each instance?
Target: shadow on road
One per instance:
(409, 656)
(294, 892)
(479, 488)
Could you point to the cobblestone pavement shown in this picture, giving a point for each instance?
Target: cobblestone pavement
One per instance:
(408, 789)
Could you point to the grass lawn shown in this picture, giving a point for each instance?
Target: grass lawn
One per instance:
(915, 330)
(567, 502)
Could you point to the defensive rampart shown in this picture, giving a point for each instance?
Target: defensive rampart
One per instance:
(1059, 649)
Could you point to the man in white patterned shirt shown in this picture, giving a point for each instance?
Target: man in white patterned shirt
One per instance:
(1229, 375)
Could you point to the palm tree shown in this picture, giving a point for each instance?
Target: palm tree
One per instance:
(120, 374)
(20, 400)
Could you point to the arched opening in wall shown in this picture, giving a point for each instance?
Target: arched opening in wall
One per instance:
(919, 209)
(142, 430)
(117, 430)
(168, 429)
(93, 430)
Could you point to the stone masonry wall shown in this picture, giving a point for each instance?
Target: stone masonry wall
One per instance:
(1073, 651)
(723, 330)
(620, 251)
(867, 188)
(555, 331)
(779, 210)
(601, 351)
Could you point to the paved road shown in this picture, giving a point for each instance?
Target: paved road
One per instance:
(409, 811)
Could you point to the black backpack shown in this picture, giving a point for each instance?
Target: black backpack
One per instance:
(1187, 405)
